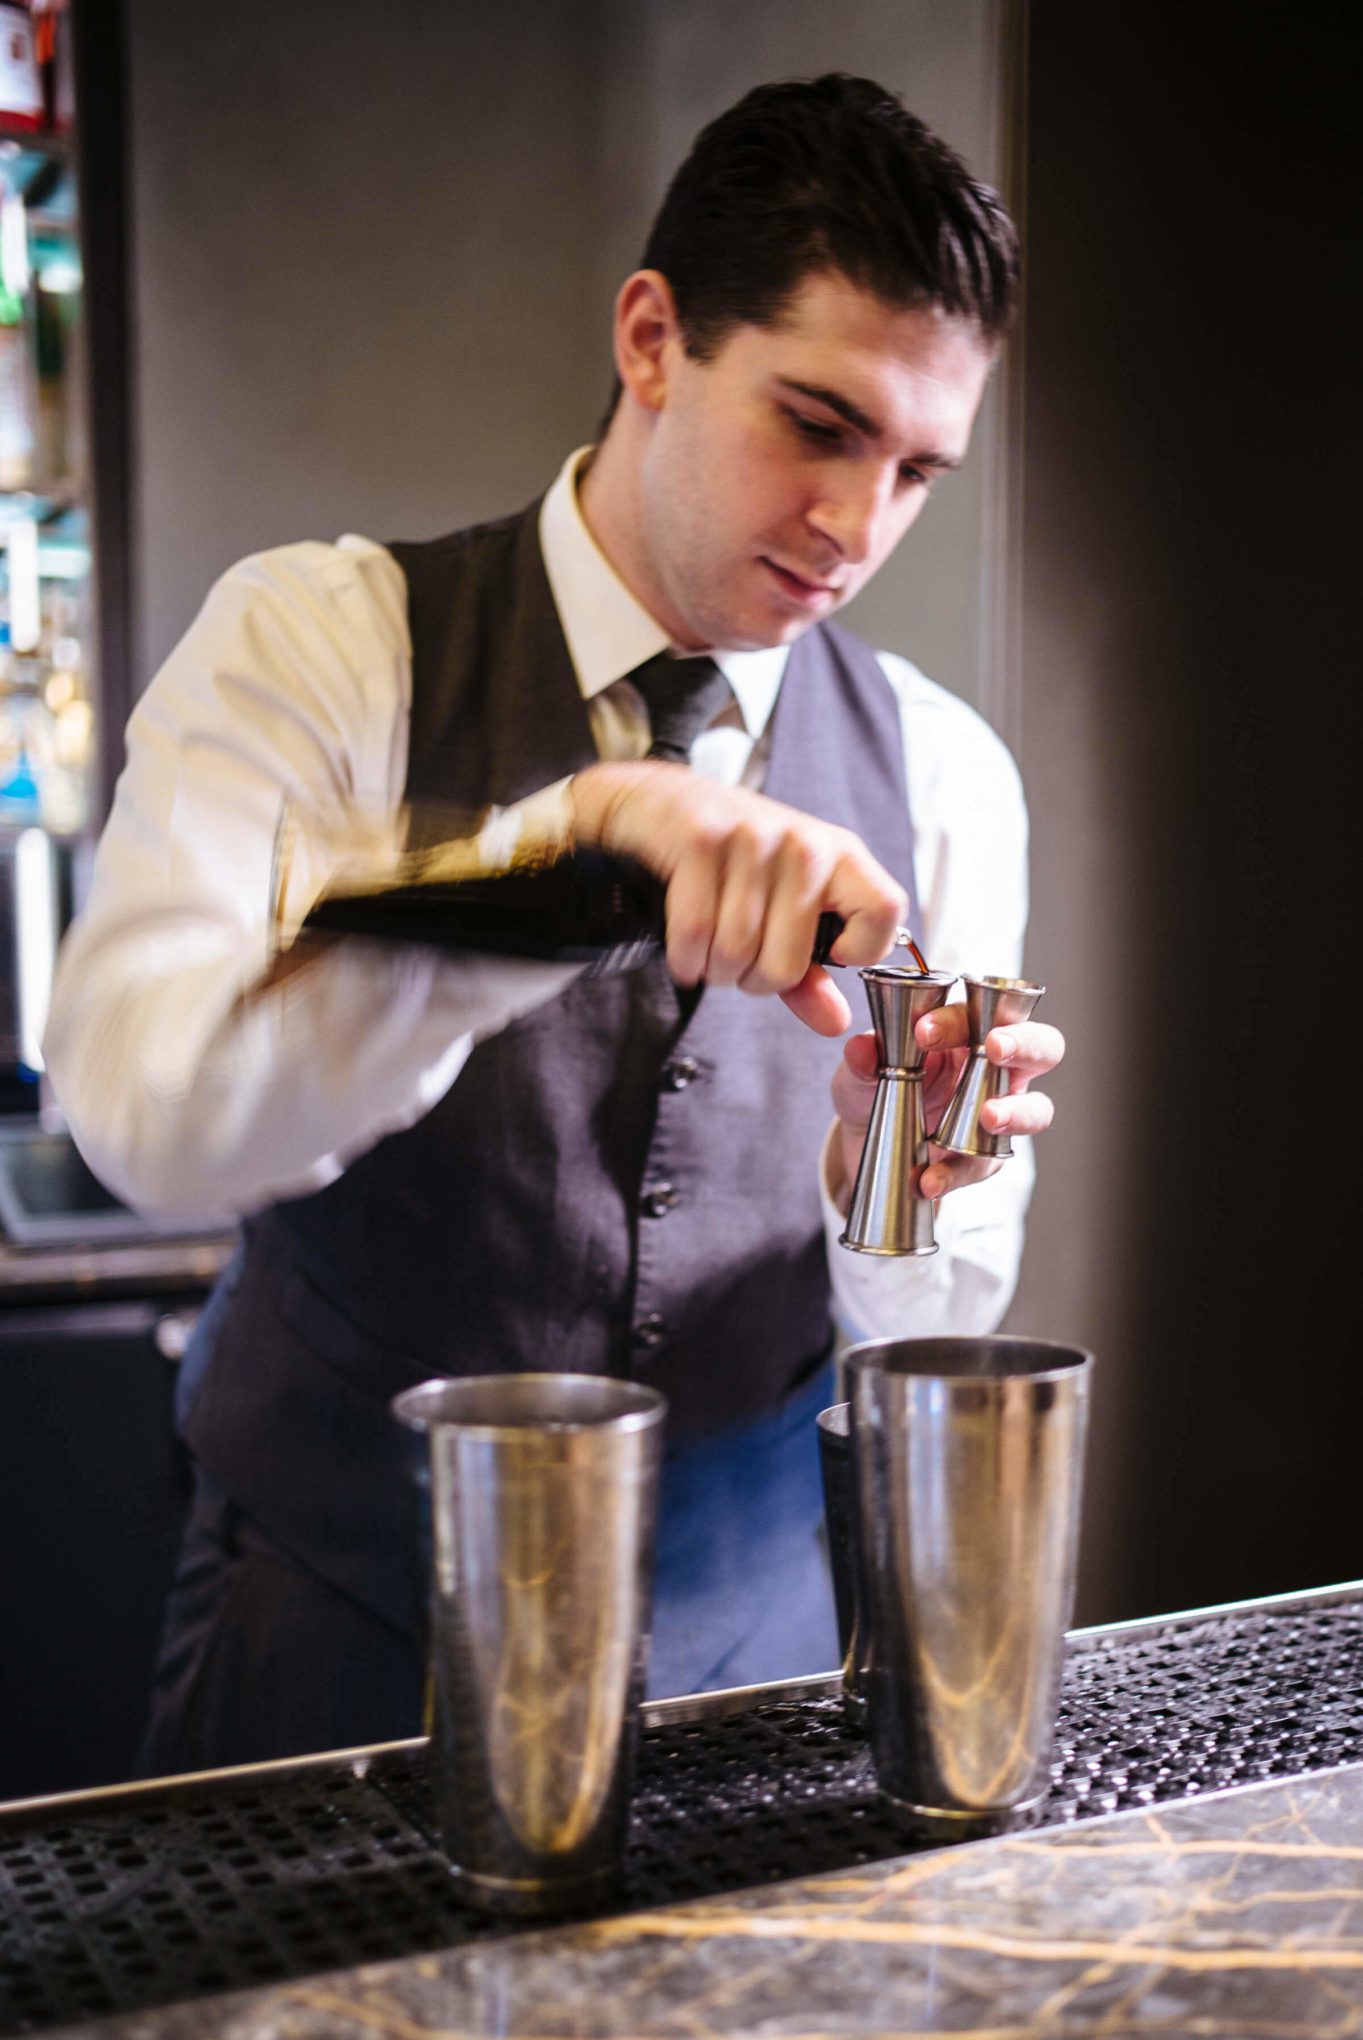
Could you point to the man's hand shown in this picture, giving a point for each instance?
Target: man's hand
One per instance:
(747, 879)
(1026, 1050)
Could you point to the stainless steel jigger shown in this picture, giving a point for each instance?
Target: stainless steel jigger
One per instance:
(989, 1002)
(887, 1216)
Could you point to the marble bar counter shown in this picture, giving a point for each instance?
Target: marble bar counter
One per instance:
(1240, 1915)
(1197, 1868)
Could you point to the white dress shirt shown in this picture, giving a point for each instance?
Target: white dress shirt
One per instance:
(195, 1093)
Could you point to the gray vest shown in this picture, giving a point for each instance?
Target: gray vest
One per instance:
(623, 1182)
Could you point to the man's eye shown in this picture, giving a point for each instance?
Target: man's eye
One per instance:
(915, 477)
(814, 431)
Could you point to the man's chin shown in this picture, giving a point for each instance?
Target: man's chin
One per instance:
(785, 629)
(764, 634)
(761, 628)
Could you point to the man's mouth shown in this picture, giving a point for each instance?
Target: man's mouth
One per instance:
(805, 588)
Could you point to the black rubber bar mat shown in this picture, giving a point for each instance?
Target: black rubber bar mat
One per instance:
(256, 1880)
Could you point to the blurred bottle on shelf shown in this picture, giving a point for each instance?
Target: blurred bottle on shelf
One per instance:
(49, 718)
(22, 103)
(18, 787)
(40, 309)
(47, 721)
(17, 407)
(52, 50)
(18, 397)
(53, 460)
(63, 722)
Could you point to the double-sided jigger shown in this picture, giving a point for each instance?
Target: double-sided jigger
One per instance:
(989, 1002)
(887, 1215)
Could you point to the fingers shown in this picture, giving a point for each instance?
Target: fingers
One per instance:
(854, 1091)
(944, 1027)
(817, 1001)
(871, 903)
(1020, 1112)
(774, 888)
(692, 911)
(1026, 1048)
(747, 885)
(954, 1172)
(747, 877)
(798, 878)
(768, 911)
(854, 1084)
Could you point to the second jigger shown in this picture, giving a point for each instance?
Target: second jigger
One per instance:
(887, 1215)
(989, 1002)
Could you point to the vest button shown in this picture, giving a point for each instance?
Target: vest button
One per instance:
(681, 1072)
(657, 1203)
(650, 1331)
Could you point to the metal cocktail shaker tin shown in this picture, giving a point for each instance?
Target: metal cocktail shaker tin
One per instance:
(968, 1457)
(840, 1506)
(544, 1501)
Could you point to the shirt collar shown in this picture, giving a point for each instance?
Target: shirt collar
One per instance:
(608, 630)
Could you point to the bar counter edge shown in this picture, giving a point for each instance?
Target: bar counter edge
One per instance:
(1235, 1912)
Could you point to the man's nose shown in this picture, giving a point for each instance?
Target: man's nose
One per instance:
(852, 516)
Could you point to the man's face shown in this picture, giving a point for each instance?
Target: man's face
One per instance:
(781, 473)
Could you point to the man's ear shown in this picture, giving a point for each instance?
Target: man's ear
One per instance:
(647, 337)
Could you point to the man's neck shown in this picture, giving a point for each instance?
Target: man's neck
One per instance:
(611, 502)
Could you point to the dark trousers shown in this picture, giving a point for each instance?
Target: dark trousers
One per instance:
(263, 1658)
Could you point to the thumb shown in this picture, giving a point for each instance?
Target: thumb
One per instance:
(817, 1001)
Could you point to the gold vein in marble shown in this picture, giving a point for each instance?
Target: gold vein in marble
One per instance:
(981, 1941)
(391, 2024)
(1234, 1846)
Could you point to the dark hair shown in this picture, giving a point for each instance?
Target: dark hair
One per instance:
(821, 174)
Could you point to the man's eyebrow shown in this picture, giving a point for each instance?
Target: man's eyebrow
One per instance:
(843, 407)
(834, 401)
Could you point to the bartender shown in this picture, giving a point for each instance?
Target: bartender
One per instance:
(473, 1165)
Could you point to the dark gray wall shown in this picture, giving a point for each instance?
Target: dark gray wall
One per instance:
(1187, 717)
(364, 241)
(376, 250)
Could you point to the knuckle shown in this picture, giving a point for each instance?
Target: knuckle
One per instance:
(804, 859)
(786, 950)
(708, 833)
(891, 898)
(688, 932)
(748, 841)
(728, 961)
(882, 897)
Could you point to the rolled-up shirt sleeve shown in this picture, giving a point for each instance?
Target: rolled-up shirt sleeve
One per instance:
(195, 1087)
(970, 871)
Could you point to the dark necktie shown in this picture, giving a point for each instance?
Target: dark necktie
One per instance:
(683, 697)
